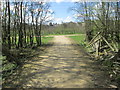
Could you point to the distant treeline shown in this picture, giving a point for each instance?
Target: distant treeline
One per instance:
(64, 28)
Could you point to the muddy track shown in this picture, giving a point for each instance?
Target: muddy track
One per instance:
(63, 65)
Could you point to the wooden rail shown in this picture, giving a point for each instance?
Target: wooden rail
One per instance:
(95, 43)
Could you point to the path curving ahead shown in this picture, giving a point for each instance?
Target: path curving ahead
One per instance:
(64, 65)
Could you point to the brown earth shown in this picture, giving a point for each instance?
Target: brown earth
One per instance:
(63, 65)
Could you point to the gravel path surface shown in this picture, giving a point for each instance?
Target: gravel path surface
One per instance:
(63, 65)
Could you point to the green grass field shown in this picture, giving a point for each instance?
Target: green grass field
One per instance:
(46, 40)
(79, 39)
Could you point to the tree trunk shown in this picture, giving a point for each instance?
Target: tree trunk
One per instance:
(9, 41)
(20, 31)
(40, 33)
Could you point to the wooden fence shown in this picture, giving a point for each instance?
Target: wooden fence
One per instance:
(97, 42)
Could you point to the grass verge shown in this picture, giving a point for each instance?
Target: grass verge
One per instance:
(79, 39)
(46, 40)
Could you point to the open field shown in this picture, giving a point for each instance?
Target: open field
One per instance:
(78, 38)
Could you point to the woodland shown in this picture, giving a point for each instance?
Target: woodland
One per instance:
(25, 25)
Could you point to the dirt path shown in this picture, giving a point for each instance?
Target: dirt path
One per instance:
(63, 35)
(63, 65)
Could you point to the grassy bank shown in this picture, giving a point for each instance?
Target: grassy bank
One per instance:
(79, 39)
(46, 40)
